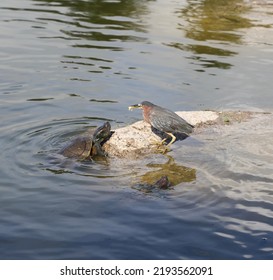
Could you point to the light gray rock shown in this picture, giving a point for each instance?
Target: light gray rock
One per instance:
(197, 117)
(138, 139)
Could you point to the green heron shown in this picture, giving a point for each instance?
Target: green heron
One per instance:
(163, 120)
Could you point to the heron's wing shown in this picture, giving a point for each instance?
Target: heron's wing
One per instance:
(168, 121)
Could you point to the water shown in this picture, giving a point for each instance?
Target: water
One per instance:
(70, 65)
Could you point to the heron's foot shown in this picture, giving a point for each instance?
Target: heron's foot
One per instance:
(161, 146)
(163, 149)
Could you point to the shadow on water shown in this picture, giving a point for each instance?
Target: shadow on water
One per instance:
(215, 24)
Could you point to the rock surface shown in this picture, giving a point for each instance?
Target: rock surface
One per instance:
(138, 139)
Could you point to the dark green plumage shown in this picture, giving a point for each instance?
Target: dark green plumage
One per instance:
(167, 121)
(164, 120)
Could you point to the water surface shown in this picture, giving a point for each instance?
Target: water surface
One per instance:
(67, 66)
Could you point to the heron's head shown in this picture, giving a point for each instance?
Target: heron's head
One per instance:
(142, 105)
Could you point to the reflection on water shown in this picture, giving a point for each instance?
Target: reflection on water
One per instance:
(163, 175)
(214, 24)
(176, 172)
(199, 50)
(215, 20)
(100, 26)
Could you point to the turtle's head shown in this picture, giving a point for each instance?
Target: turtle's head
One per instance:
(102, 133)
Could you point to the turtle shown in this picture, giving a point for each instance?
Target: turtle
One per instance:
(86, 147)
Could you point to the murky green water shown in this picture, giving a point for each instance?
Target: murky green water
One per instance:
(69, 65)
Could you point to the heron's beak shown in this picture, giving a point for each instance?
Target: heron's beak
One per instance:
(134, 106)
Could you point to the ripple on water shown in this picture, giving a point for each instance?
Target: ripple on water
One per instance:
(34, 146)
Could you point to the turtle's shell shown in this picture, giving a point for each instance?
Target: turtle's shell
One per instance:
(84, 147)
(79, 148)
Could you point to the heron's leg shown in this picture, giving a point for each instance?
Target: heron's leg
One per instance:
(160, 147)
(173, 138)
(161, 143)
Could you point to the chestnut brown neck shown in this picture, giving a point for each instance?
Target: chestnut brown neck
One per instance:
(146, 113)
